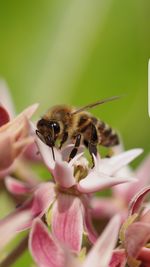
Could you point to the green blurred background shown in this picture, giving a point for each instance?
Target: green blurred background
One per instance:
(77, 52)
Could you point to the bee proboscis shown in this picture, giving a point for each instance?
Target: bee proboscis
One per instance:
(64, 122)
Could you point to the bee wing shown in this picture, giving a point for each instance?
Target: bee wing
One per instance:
(100, 102)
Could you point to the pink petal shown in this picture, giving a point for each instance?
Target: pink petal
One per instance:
(70, 260)
(136, 237)
(143, 176)
(61, 170)
(20, 119)
(100, 254)
(28, 112)
(144, 169)
(4, 117)
(10, 225)
(10, 149)
(145, 217)
(16, 187)
(43, 198)
(138, 199)
(97, 181)
(63, 174)
(31, 153)
(144, 255)
(118, 258)
(104, 207)
(112, 165)
(6, 98)
(46, 154)
(7, 157)
(44, 249)
(7, 171)
(89, 228)
(67, 221)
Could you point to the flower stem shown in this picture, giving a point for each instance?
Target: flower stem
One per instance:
(15, 254)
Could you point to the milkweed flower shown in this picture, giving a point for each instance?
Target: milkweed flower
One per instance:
(14, 131)
(118, 201)
(135, 232)
(65, 200)
(14, 137)
(48, 252)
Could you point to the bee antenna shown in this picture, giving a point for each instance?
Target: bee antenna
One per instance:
(53, 152)
(100, 102)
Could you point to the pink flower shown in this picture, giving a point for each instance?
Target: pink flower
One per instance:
(14, 132)
(135, 232)
(106, 207)
(66, 200)
(48, 252)
(9, 226)
(118, 258)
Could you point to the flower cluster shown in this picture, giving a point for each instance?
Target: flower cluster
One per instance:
(59, 214)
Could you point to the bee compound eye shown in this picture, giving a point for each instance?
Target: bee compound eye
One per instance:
(56, 127)
(41, 123)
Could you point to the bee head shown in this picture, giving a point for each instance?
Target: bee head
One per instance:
(48, 131)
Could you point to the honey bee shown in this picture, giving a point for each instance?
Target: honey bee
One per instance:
(68, 123)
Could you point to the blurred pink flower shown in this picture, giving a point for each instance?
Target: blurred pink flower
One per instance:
(118, 258)
(135, 232)
(4, 116)
(48, 252)
(14, 137)
(14, 132)
(106, 207)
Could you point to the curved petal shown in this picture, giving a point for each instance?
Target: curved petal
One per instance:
(97, 181)
(100, 254)
(44, 249)
(67, 221)
(46, 154)
(144, 255)
(6, 158)
(15, 123)
(9, 226)
(143, 176)
(118, 258)
(44, 197)
(136, 237)
(4, 117)
(145, 217)
(16, 187)
(71, 261)
(63, 174)
(104, 207)
(6, 99)
(111, 165)
(89, 228)
(31, 153)
(7, 171)
(137, 200)
(38, 205)
(28, 112)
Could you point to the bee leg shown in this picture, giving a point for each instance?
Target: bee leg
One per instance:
(76, 146)
(92, 150)
(92, 145)
(64, 139)
(40, 136)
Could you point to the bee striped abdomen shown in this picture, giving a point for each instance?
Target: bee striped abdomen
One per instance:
(107, 136)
